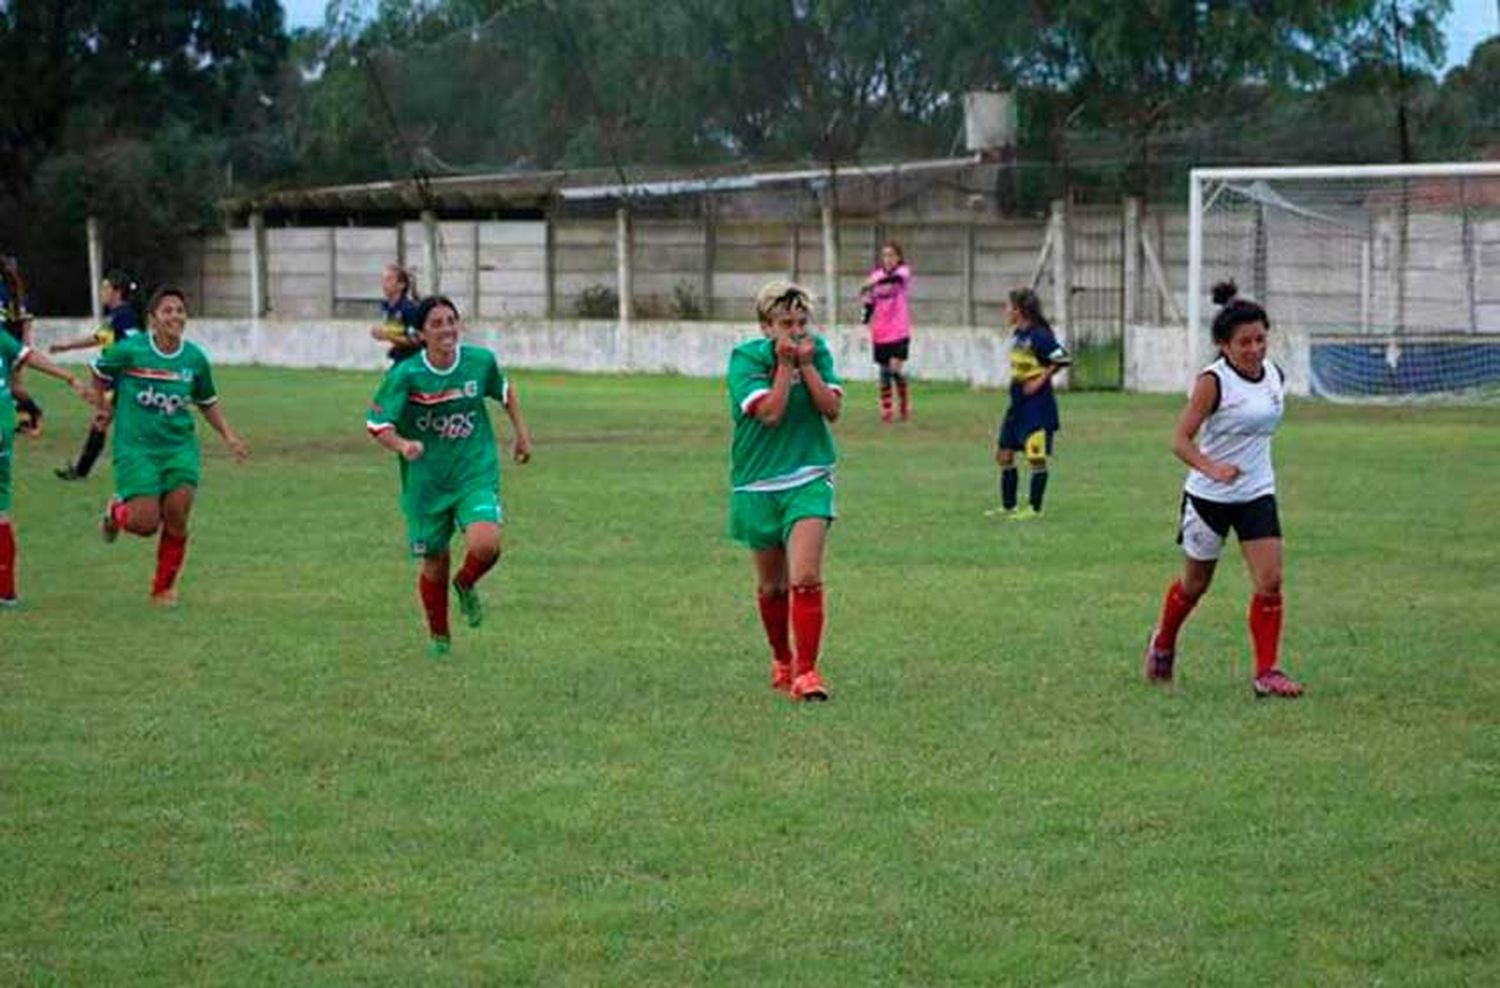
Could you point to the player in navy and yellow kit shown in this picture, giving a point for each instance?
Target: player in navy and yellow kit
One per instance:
(1031, 420)
(399, 325)
(120, 322)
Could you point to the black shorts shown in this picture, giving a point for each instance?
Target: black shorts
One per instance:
(1204, 526)
(886, 352)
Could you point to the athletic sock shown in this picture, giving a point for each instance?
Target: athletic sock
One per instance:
(92, 447)
(903, 395)
(1038, 488)
(170, 552)
(807, 626)
(775, 611)
(885, 399)
(7, 559)
(434, 597)
(1265, 630)
(474, 568)
(119, 513)
(1010, 481)
(1174, 610)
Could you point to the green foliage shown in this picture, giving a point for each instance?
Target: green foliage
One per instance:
(272, 784)
(597, 302)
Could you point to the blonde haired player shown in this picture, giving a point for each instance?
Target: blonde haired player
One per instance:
(783, 392)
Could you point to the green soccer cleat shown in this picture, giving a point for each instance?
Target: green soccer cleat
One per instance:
(439, 648)
(1000, 511)
(1026, 513)
(470, 604)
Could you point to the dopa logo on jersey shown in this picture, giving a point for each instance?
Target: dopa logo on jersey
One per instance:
(455, 425)
(166, 404)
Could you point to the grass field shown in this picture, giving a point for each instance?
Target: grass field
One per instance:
(273, 785)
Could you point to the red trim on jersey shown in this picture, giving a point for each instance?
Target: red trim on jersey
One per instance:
(437, 397)
(376, 430)
(754, 402)
(151, 374)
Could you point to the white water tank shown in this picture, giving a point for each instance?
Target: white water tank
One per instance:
(989, 121)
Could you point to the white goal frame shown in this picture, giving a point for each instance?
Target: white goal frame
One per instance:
(1201, 178)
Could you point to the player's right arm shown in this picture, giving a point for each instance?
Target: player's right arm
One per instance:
(1201, 404)
(105, 368)
(757, 391)
(385, 411)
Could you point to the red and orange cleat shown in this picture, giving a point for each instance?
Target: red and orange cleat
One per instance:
(781, 677)
(809, 686)
(164, 598)
(1274, 682)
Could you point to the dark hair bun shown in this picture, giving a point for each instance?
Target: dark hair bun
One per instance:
(1224, 292)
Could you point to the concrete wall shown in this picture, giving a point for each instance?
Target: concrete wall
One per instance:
(696, 349)
(1157, 359)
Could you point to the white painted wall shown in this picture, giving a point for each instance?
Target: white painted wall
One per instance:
(1156, 359)
(696, 349)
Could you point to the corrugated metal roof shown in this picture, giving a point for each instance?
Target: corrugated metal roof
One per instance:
(536, 190)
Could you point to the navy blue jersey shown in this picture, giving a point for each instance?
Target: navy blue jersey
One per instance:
(1033, 351)
(121, 322)
(401, 314)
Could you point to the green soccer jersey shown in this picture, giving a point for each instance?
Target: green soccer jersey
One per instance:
(443, 410)
(154, 391)
(800, 448)
(12, 354)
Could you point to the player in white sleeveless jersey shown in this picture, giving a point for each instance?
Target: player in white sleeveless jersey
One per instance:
(1224, 436)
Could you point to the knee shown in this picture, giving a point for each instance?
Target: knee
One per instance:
(143, 521)
(886, 375)
(1269, 584)
(1005, 457)
(1195, 585)
(1037, 464)
(771, 588)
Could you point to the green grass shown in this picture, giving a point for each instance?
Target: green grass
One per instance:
(273, 785)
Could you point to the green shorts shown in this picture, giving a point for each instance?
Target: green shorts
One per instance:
(764, 519)
(7, 448)
(429, 532)
(154, 474)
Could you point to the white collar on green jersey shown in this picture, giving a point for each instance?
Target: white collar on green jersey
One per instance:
(458, 356)
(181, 345)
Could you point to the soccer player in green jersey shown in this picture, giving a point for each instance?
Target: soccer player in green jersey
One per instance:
(13, 356)
(783, 392)
(430, 412)
(157, 376)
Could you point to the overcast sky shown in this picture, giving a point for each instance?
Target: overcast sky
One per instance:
(1471, 22)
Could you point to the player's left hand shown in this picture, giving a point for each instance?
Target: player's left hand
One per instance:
(238, 447)
(84, 393)
(521, 450)
(805, 350)
(1033, 385)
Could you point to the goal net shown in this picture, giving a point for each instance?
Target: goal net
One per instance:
(1382, 282)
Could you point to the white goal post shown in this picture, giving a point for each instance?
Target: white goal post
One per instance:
(1382, 281)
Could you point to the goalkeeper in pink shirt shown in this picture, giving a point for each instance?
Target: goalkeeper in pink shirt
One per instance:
(885, 296)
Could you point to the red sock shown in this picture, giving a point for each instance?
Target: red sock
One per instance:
(807, 625)
(774, 612)
(474, 568)
(1265, 630)
(170, 551)
(1174, 610)
(7, 559)
(434, 596)
(885, 401)
(903, 396)
(120, 513)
